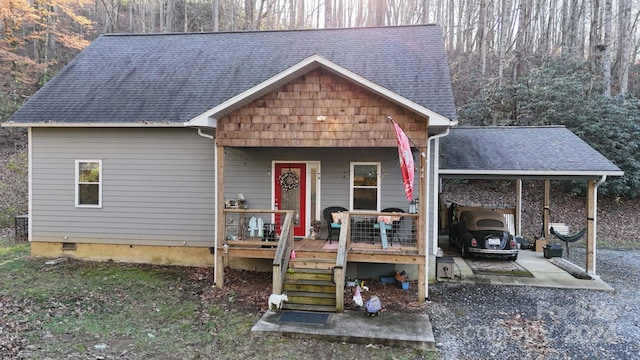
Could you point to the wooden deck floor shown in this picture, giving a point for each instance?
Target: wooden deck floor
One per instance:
(358, 252)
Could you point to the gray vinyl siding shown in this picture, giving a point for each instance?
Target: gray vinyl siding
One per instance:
(248, 171)
(158, 186)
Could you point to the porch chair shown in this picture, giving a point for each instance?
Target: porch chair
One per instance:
(391, 229)
(331, 225)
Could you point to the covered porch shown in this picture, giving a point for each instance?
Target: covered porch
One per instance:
(313, 137)
(313, 272)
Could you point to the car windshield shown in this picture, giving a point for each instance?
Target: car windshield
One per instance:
(489, 223)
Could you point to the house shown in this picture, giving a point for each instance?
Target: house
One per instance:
(223, 149)
(141, 147)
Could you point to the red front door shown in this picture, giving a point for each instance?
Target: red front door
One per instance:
(291, 194)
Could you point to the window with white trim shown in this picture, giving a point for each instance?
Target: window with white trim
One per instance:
(89, 183)
(365, 186)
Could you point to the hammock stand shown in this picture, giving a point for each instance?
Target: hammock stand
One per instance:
(569, 238)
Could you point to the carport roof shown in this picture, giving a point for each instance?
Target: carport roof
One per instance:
(549, 152)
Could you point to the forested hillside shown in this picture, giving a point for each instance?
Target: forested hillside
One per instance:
(513, 62)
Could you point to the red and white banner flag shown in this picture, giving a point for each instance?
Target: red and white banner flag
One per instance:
(407, 165)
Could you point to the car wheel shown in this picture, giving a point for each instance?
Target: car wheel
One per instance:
(465, 252)
(513, 257)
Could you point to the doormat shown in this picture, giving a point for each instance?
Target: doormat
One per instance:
(331, 246)
(497, 267)
(304, 317)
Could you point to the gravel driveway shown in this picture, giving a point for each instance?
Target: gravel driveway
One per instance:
(510, 322)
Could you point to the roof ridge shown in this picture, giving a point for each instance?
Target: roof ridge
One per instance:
(268, 31)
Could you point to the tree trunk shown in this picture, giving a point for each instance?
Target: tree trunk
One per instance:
(606, 49)
(328, 12)
(380, 12)
(624, 30)
(594, 33)
(215, 13)
(185, 27)
(248, 15)
(572, 28)
(292, 14)
(450, 25)
(482, 38)
(502, 40)
(463, 25)
(521, 40)
(300, 16)
(425, 11)
(360, 17)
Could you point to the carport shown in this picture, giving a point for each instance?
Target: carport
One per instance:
(528, 153)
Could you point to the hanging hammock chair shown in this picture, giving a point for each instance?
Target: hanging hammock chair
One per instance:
(569, 238)
(566, 238)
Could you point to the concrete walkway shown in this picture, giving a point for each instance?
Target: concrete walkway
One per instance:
(414, 330)
(390, 329)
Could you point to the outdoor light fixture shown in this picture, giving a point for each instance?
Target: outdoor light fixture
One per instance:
(321, 118)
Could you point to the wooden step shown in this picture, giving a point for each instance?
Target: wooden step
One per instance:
(316, 255)
(309, 274)
(311, 298)
(303, 307)
(312, 263)
(320, 286)
(309, 282)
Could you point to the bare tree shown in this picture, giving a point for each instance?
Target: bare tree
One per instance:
(505, 8)
(112, 10)
(301, 15)
(249, 23)
(624, 32)
(594, 33)
(606, 48)
(328, 13)
(215, 14)
(482, 21)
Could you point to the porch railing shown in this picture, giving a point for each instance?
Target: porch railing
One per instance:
(339, 270)
(283, 253)
(260, 230)
(384, 230)
(361, 232)
(373, 229)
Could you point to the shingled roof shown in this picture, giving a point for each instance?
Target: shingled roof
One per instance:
(172, 78)
(520, 152)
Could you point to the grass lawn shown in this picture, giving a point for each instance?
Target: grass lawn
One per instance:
(83, 310)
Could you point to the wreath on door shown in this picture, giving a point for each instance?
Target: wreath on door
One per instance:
(289, 181)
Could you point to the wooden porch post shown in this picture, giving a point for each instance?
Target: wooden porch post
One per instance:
(592, 197)
(220, 221)
(422, 238)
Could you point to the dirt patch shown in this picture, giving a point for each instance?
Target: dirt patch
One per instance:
(248, 292)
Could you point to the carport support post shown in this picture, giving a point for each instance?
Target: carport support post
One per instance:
(545, 215)
(423, 228)
(518, 217)
(220, 221)
(592, 198)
